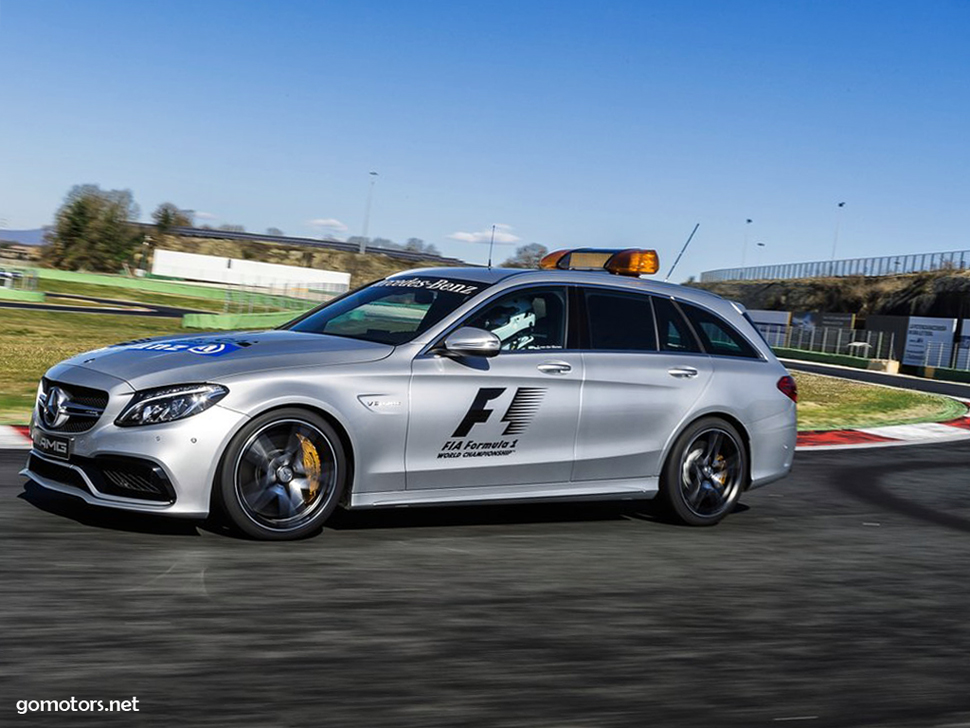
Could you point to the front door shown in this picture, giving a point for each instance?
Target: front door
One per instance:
(506, 420)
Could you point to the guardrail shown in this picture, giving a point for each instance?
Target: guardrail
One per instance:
(882, 266)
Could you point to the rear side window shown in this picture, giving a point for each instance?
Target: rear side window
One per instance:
(675, 334)
(620, 321)
(717, 335)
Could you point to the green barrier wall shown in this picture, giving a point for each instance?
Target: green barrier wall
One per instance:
(10, 294)
(211, 321)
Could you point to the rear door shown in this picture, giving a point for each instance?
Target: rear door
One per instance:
(644, 371)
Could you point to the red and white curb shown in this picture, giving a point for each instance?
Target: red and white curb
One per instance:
(14, 438)
(923, 434)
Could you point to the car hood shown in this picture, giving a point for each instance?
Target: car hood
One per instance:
(161, 361)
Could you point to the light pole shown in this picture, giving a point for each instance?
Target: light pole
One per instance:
(835, 237)
(744, 248)
(370, 197)
(759, 247)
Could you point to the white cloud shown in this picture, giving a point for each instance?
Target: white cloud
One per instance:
(205, 216)
(327, 223)
(503, 236)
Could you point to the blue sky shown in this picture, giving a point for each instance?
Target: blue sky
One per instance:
(566, 123)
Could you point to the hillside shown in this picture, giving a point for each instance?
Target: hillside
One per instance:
(940, 293)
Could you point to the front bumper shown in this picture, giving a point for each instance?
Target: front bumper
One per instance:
(167, 468)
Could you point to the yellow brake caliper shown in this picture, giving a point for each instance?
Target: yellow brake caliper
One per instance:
(311, 466)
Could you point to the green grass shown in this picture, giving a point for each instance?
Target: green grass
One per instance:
(826, 403)
(129, 294)
(33, 341)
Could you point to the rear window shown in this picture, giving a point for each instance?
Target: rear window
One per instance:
(675, 334)
(717, 335)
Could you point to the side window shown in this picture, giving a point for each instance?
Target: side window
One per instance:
(717, 335)
(620, 321)
(674, 333)
(525, 320)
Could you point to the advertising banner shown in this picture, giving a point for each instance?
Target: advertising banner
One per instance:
(929, 341)
(809, 320)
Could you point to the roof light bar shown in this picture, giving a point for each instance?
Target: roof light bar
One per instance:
(628, 262)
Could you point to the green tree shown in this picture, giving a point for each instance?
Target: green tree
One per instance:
(527, 256)
(417, 245)
(274, 231)
(92, 230)
(168, 216)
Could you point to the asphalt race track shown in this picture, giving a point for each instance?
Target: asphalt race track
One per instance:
(839, 597)
(136, 308)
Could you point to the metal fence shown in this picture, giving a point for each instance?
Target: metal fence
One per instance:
(884, 266)
(18, 279)
(276, 297)
(866, 344)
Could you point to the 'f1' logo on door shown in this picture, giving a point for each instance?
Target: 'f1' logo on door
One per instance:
(524, 406)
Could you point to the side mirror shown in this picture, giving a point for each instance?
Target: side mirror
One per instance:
(469, 341)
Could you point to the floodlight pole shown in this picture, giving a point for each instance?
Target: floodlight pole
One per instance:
(370, 196)
(691, 237)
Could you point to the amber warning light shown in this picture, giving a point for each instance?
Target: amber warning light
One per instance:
(630, 262)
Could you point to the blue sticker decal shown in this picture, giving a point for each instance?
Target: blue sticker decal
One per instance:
(213, 349)
(200, 347)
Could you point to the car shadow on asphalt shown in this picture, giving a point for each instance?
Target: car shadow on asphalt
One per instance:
(505, 514)
(66, 506)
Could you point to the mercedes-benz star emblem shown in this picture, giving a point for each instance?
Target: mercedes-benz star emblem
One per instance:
(54, 412)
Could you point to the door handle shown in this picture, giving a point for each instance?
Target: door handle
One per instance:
(554, 367)
(683, 372)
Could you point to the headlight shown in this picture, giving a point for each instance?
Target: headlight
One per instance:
(165, 404)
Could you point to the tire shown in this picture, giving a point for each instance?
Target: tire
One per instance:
(282, 475)
(705, 473)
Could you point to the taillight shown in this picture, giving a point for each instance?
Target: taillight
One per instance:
(787, 386)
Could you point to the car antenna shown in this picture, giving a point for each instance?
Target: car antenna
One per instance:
(690, 237)
(490, 244)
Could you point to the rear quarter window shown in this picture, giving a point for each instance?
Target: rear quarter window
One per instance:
(717, 335)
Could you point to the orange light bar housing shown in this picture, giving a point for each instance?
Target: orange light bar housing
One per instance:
(630, 262)
(551, 261)
(634, 262)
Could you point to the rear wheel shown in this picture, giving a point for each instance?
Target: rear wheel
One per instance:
(282, 475)
(705, 472)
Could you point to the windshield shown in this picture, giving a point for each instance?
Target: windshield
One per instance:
(391, 311)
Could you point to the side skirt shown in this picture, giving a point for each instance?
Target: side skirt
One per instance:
(626, 489)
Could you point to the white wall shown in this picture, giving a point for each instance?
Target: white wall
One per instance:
(213, 269)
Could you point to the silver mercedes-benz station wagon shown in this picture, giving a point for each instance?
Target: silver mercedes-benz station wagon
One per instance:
(581, 380)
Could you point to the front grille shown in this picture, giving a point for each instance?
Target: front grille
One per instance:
(56, 472)
(86, 406)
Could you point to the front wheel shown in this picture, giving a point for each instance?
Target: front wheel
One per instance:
(282, 475)
(705, 472)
